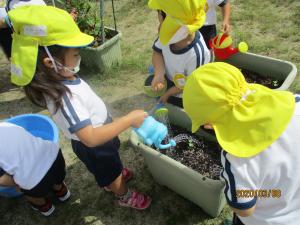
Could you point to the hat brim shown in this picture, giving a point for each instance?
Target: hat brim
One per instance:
(79, 40)
(240, 137)
(167, 30)
(152, 4)
(195, 126)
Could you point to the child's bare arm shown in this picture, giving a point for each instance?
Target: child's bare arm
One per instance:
(93, 137)
(171, 91)
(159, 71)
(244, 213)
(7, 180)
(226, 18)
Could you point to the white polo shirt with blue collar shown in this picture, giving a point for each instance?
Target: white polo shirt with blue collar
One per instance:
(273, 175)
(184, 61)
(80, 108)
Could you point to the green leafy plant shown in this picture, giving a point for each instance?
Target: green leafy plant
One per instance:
(87, 18)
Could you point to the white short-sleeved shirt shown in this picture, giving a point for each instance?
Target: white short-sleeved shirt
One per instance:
(24, 156)
(3, 13)
(12, 4)
(80, 109)
(183, 61)
(273, 171)
(211, 14)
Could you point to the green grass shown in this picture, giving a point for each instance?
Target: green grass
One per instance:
(269, 27)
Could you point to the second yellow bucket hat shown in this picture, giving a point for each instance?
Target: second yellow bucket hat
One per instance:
(247, 118)
(189, 13)
(35, 26)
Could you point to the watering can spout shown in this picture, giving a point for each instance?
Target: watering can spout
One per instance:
(172, 143)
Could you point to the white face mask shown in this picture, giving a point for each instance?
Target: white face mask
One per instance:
(73, 70)
(180, 34)
(70, 69)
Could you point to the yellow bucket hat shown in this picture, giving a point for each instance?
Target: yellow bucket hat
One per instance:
(247, 118)
(35, 26)
(189, 13)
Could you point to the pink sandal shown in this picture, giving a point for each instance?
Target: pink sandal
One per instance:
(136, 201)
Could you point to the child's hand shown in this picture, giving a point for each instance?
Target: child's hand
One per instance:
(158, 83)
(136, 117)
(164, 98)
(225, 27)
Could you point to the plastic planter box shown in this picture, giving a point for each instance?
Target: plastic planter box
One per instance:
(266, 66)
(104, 56)
(203, 191)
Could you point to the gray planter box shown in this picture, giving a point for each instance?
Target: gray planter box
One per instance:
(266, 66)
(104, 56)
(203, 191)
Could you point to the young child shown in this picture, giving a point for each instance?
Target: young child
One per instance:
(209, 30)
(258, 128)
(180, 48)
(77, 110)
(35, 165)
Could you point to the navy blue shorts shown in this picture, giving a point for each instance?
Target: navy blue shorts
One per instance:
(102, 161)
(208, 32)
(173, 99)
(6, 41)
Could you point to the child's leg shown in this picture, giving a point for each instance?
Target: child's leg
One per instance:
(128, 198)
(118, 186)
(105, 164)
(36, 195)
(59, 187)
(36, 200)
(43, 205)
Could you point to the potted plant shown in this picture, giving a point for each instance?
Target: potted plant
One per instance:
(196, 187)
(106, 49)
(276, 74)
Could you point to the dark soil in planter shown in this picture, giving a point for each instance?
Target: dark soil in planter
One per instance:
(252, 77)
(198, 154)
(98, 39)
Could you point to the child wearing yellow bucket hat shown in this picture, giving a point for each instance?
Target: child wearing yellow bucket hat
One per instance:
(258, 129)
(46, 60)
(180, 48)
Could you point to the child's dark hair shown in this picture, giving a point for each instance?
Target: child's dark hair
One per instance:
(46, 83)
(162, 13)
